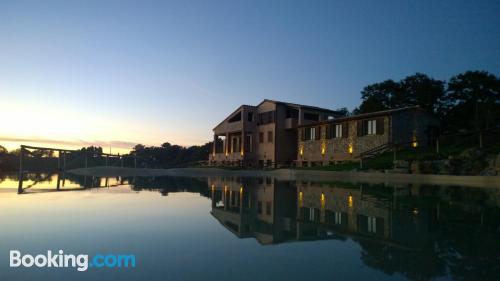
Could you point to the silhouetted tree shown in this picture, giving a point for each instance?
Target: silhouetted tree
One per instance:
(473, 101)
(418, 89)
(421, 90)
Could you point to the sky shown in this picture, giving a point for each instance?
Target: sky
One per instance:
(118, 73)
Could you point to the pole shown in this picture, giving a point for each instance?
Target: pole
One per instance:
(135, 161)
(121, 159)
(21, 172)
(437, 145)
(86, 160)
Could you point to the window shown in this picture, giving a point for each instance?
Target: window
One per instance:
(250, 116)
(338, 218)
(270, 136)
(312, 214)
(259, 207)
(268, 208)
(311, 133)
(261, 137)
(372, 127)
(372, 224)
(338, 130)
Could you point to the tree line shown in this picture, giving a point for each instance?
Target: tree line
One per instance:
(467, 101)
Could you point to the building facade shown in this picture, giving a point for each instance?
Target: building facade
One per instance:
(264, 135)
(349, 138)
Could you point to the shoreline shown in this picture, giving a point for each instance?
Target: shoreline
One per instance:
(292, 174)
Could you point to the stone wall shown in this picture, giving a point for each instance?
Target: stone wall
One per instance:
(326, 150)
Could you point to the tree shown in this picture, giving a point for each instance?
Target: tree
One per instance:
(380, 96)
(343, 111)
(418, 89)
(3, 150)
(428, 93)
(473, 101)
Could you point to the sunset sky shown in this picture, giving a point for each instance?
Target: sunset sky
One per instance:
(117, 73)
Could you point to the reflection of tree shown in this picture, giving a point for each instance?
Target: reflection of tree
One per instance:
(171, 184)
(424, 264)
(464, 246)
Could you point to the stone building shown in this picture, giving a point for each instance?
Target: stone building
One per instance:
(263, 135)
(351, 137)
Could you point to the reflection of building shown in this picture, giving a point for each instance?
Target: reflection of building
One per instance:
(277, 211)
(371, 212)
(262, 208)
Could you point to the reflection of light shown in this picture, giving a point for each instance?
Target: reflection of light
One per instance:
(241, 152)
(322, 200)
(213, 187)
(350, 148)
(415, 211)
(349, 201)
(323, 148)
(414, 144)
(301, 150)
(241, 189)
(225, 188)
(301, 197)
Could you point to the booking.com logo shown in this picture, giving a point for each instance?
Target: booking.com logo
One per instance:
(81, 262)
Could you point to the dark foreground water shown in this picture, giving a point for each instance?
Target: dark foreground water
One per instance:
(252, 229)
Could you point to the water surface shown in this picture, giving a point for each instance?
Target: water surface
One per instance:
(229, 228)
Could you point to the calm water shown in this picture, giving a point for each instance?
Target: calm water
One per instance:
(252, 229)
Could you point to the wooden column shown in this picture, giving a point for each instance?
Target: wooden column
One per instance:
(242, 147)
(214, 146)
(226, 144)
